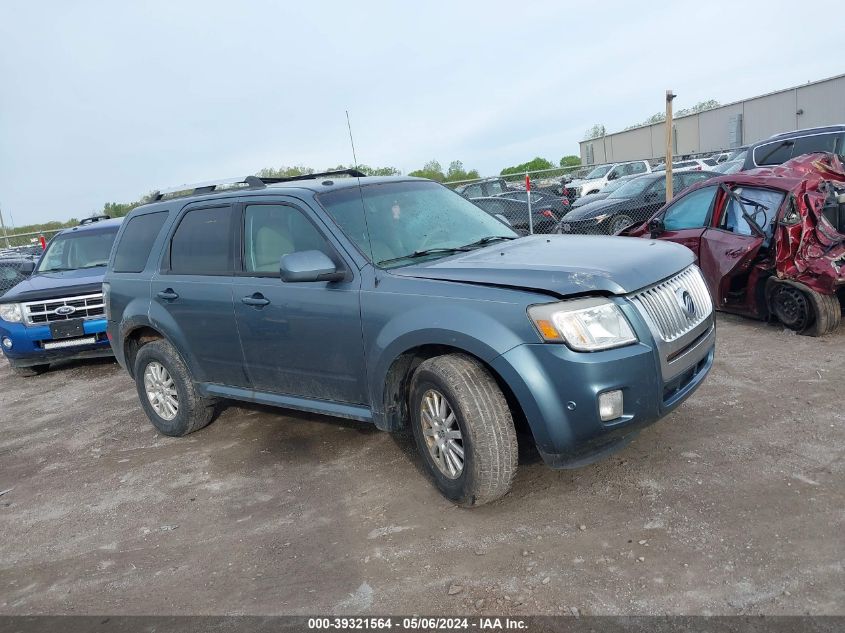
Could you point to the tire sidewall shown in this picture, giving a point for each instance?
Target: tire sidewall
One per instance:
(158, 352)
(453, 489)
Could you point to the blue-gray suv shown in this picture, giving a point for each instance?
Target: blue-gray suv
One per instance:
(396, 301)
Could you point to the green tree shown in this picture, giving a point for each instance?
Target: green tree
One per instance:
(534, 164)
(570, 161)
(431, 170)
(597, 131)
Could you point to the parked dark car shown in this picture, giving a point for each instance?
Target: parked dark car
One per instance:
(546, 210)
(57, 313)
(612, 186)
(771, 242)
(397, 302)
(632, 203)
(783, 147)
(15, 266)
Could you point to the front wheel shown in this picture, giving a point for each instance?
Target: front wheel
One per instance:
(167, 393)
(32, 370)
(463, 429)
(806, 312)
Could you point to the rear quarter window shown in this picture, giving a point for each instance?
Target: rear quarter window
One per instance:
(137, 239)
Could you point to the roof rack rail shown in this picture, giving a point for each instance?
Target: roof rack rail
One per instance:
(251, 182)
(354, 173)
(94, 218)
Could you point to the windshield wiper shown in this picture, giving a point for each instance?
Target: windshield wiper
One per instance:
(448, 250)
(486, 240)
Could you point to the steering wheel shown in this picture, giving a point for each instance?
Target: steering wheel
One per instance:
(754, 216)
(429, 241)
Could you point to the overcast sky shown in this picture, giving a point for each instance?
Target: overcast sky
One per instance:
(105, 101)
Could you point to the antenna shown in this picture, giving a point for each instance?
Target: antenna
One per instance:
(351, 141)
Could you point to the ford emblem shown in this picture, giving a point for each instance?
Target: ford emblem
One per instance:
(65, 310)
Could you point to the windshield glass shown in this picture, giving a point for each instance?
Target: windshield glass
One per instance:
(613, 185)
(598, 172)
(399, 219)
(72, 251)
(632, 188)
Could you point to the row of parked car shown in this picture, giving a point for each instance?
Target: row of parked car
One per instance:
(395, 301)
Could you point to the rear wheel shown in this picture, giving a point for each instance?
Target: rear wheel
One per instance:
(463, 429)
(32, 370)
(167, 392)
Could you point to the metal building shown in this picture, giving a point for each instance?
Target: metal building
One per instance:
(732, 125)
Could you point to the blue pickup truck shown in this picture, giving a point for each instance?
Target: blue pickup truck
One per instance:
(397, 302)
(57, 313)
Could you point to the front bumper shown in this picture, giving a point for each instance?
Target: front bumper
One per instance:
(28, 343)
(558, 391)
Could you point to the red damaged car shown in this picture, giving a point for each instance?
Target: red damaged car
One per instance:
(770, 241)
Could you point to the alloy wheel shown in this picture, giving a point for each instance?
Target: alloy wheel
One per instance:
(161, 391)
(442, 434)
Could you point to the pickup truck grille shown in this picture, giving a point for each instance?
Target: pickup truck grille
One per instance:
(52, 310)
(677, 305)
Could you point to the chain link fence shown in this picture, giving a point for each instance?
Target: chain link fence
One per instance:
(18, 255)
(587, 200)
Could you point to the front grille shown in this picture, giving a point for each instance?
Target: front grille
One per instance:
(665, 306)
(84, 307)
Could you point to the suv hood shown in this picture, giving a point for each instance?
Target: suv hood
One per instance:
(562, 265)
(55, 285)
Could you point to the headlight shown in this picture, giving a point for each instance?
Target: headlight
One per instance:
(11, 312)
(601, 218)
(585, 325)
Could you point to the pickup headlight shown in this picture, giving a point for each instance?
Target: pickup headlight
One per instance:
(585, 325)
(11, 312)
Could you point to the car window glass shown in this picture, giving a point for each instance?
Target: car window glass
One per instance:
(637, 168)
(658, 188)
(815, 143)
(473, 191)
(136, 241)
(733, 219)
(202, 243)
(496, 187)
(690, 212)
(774, 153)
(274, 230)
(689, 178)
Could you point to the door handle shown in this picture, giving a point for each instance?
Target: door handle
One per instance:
(257, 300)
(168, 295)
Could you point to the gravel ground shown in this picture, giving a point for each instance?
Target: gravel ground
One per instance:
(734, 504)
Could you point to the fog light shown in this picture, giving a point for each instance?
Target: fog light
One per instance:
(610, 405)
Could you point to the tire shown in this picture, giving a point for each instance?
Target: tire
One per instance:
(620, 222)
(483, 420)
(828, 314)
(32, 370)
(192, 411)
(806, 311)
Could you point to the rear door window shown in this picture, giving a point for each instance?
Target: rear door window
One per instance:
(818, 143)
(137, 239)
(760, 204)
(202, 243)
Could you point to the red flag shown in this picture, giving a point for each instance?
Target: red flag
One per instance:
(527, 183)
(43, 241)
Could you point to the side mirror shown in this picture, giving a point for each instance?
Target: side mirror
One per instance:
(27, 267)
(656, 227)
(309, 266)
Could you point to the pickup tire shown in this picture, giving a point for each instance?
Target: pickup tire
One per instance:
(32, 370)
(167, 392)
(454, 401)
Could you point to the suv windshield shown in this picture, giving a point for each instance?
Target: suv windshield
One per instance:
(397, 223)
(598, 172)
(632, 188)
(72, 251)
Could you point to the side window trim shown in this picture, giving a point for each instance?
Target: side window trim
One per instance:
(240, 245)
(165, 267)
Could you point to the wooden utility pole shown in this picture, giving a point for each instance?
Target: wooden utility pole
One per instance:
(669, 97)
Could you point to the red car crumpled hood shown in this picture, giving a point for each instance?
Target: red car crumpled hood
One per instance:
(810, 251)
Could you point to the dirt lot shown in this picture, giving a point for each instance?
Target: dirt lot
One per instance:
(733, 504)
